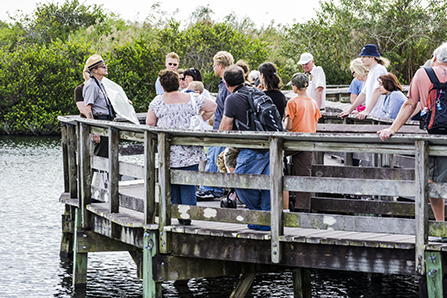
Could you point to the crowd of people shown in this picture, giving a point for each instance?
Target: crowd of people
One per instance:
(181, 93)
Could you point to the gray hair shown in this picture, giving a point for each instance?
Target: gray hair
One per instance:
(441, 53)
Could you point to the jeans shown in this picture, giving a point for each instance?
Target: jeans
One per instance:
(254, 162)
(211, 166)
(184, 194)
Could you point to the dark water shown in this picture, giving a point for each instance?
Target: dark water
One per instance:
(30, 231)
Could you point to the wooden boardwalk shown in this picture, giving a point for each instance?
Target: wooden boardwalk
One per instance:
(357, 220)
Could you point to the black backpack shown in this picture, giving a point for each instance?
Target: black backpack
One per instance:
(434, 119)
(263, 114)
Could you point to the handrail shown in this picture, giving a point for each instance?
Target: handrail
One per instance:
(419, 145)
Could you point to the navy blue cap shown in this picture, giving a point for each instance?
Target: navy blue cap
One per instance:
(370, 50)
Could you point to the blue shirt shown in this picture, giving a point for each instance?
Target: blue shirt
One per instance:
(158, 87)
(355, 87)
(222, 94)
(391, 104)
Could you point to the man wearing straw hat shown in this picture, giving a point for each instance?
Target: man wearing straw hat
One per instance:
(96, 102)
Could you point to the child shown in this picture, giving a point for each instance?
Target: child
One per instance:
(302, 114)
(195, 86)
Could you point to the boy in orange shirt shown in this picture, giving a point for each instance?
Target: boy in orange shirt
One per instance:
(302, 114)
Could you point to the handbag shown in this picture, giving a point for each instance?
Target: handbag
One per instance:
(196, 121)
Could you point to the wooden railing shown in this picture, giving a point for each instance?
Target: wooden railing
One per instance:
(79, 162)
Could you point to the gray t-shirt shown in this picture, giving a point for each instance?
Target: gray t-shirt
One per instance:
(96, 97)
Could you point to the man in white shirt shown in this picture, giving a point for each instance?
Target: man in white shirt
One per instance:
(317, 79)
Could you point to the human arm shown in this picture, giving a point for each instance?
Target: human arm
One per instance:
(319, 96)
(374, 98)
(226, 123)
(404, 114)
(81, 108)
(89, 115)
(288, 123)
(208, 109)
(151, 119)
(353, 97)
(358, 101)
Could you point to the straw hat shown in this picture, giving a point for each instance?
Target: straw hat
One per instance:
(93, 61)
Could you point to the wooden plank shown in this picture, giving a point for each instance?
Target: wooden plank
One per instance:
(224, 215)
(332, 146)
(421, 202)
(165, 191)
(71, 156)
(149, 177)
(358, 206)
(362, 172)
(349, 186)
(229, 180)
(85, 174)
(243, 286)
(276, 197)
(435, 276)
(350, 223)
(89, 241)
(80, 260)
(125, 168)
(302, 283)
(113, 170)
(64, 144)
(151, 288)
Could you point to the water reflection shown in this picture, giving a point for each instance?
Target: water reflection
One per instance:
(30, 232)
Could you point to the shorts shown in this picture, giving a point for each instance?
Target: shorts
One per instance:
(437, 168)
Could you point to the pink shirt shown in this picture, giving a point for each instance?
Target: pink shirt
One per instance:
(420, 84)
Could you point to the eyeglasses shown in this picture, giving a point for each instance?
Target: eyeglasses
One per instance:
(102, 66)
(353, 73)
(183, 78)
(172, 64)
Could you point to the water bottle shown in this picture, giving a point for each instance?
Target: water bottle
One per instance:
(424, 111)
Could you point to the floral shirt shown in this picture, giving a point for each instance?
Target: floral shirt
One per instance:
(178, 116)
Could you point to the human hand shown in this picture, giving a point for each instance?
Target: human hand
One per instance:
(362, 115)
(344, 114)
(96, 138)
(385, 134)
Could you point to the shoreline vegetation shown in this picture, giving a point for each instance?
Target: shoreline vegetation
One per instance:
(42, 54)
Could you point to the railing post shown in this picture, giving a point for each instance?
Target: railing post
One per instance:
(65, 157)
(149, 177)
(85, 174)
(72, 165)
(276, 197)
(164, 181)
(114, 200)
(421, 203)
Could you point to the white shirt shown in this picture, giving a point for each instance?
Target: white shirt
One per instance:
(317, 79)
(372, 84)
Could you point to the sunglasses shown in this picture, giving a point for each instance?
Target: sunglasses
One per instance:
(172, 64)
(353, 72)
(183, 78)
(102, 66)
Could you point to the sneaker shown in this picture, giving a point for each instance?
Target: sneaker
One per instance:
(205, 195)
(185, 222)
(259, 227)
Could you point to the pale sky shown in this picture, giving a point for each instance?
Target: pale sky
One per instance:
(281, 11)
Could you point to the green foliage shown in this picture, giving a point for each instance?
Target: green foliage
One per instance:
(405, 31)
(42, 55)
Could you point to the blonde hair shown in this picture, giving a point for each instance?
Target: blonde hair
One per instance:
(359, 68)
(382, 61)
(196, 86)
(172, 55)
(223, 58)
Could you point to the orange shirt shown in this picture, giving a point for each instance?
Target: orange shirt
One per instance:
(304, 113)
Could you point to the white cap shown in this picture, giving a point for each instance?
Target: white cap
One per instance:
(305, 58)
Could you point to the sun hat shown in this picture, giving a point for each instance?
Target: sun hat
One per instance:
(94, 61)
(299, 80)
(305, 58)
(370, 50)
